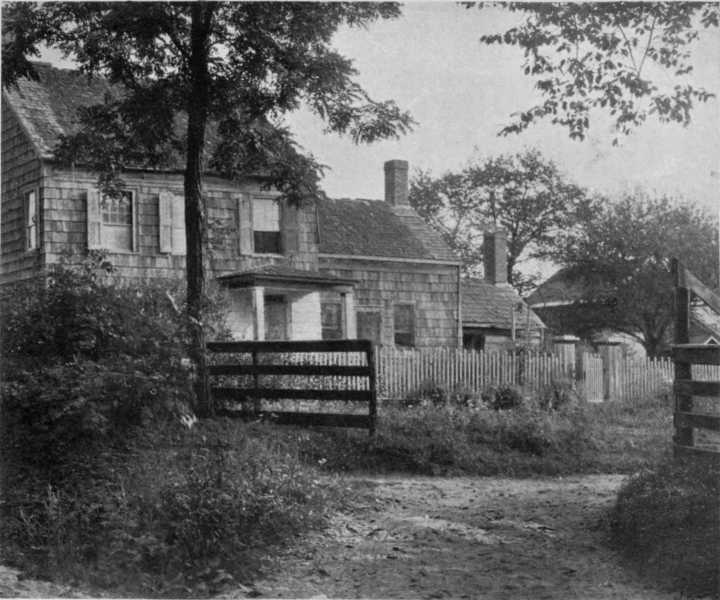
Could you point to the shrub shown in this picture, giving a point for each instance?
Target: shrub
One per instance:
(435, 394)
(502, 397)
(666, 521)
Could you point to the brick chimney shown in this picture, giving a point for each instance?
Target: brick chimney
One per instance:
(396, 182)
(495, 257)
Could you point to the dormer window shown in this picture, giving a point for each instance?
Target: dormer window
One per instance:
(266, 226)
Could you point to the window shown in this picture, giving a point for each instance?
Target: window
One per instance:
(331, 318)
(404, 324)
(116, 214)
(266, 226)
(369, 326)
(31, 220)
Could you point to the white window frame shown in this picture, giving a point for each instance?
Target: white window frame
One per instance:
(31, 219)
(275, 200)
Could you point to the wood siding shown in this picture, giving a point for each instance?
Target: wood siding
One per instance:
(431, 289)
(21, 172)
(65, 196)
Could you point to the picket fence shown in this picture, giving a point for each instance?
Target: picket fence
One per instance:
(404, 372)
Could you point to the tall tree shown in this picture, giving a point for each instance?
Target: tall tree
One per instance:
(621, 261)
(523, 194)
(630, 59)
(227, 68)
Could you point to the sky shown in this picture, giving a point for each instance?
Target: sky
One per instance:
(461, 92)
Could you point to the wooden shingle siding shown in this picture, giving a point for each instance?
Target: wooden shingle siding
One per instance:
(21, 172)
(66, 219)
(430, 289)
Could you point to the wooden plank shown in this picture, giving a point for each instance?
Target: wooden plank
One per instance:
(304, 419)
(289, 370)
(696, 354)
(372, 384)
(701, 420)
(697, 388)
(302, 346)
(687, 280)
(692, 451)
(239, 394)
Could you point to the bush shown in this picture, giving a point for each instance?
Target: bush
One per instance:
(666, 521)
(502, 397)
(435, 394)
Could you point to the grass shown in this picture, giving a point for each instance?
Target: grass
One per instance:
(175, 512)
(523, 441)
(667, 524)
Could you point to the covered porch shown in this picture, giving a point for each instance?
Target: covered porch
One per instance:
(281, 303)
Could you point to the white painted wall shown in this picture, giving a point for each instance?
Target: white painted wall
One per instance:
(240, 317)
(305, 317)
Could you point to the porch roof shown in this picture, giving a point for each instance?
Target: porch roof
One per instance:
(281, 275)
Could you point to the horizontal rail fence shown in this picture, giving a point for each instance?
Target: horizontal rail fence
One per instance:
(697, 375)
(330, 383)
(403, 372)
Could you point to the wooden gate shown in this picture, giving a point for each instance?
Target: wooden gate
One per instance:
(266, 379)
(591, 378)
(686, 356)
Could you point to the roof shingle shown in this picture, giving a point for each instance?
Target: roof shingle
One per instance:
(487, 305)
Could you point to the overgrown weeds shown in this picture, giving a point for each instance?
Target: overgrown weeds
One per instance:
(102, 484)
(667, 523)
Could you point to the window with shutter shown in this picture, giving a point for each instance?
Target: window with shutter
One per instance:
(171, 209)
(111, 221)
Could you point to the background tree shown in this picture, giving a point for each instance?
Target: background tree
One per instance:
(524, 194)
(184, 70)
(622, 257)
(627, 58)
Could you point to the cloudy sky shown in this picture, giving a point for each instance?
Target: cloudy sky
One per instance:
(462, 92)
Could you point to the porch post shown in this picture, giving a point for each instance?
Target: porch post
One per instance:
(258, 304)
(350, 316)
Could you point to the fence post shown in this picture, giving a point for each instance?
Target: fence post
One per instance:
(610, 354)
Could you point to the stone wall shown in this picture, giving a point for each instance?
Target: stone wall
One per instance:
(432, 290)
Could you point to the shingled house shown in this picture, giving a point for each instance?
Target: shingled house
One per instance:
(332, 268)
(494, 316)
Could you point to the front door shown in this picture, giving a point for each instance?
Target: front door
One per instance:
(275, 318)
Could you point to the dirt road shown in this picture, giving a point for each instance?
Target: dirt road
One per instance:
(483, 538)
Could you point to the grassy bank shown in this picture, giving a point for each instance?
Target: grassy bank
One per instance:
(667, 524)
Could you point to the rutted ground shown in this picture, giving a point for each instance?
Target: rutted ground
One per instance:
(463, 538)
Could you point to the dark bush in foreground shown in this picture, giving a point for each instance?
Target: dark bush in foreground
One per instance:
(667, 522)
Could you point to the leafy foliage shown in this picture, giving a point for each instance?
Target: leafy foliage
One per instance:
(524, 194)
(622, 259)
(627, 58)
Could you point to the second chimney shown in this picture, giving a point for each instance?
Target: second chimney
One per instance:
(495, 257)
(396, 182)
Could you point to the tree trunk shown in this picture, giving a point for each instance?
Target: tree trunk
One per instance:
(195, 226)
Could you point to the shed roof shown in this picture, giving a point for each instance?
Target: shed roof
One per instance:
(488, 305)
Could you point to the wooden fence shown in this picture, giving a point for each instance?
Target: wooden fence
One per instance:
(321, 382)
(697, 373)
(404, 372)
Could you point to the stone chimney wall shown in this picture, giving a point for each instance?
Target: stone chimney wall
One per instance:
(396, 182)
(495, 257)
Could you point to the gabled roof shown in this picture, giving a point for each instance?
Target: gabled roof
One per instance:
(47, 108)
(565, 287)
(488, 305)
(376, 228)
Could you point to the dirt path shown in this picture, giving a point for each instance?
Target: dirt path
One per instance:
(483, 538)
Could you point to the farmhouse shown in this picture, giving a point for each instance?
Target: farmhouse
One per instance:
(326, 269)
